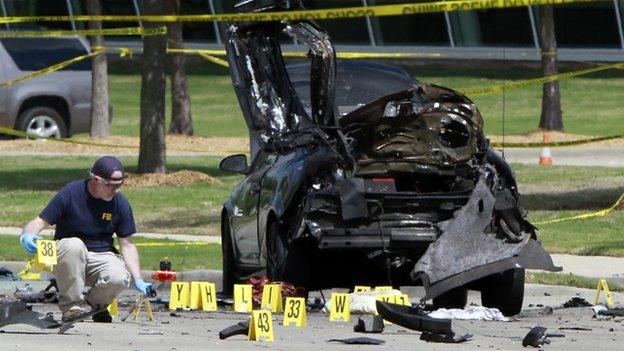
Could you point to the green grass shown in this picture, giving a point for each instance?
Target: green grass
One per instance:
(214, 107)
(590, 104)
(28, 183)
(182, 257)
(567, 280)
(573, 188)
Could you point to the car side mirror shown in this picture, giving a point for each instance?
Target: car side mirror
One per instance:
(234, 163)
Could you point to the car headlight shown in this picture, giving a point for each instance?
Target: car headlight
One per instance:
(454, 132)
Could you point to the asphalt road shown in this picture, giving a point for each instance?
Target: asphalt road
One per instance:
(199, 330)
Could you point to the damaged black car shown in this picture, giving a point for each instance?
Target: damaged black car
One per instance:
(401, 190)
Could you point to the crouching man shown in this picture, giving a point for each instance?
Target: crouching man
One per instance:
(87, 213)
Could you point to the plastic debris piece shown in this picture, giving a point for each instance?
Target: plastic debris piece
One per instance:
(241, 328)
(445, 338)
(413, 318)
(576, 302)
(369, 324)
(19, 313)
(535, 337)
(363, 340)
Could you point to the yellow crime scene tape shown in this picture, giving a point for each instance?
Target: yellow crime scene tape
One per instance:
(18, 133)
(319, 14)
(528, 82)
(59, 33)
(601, 213)
(210, 55)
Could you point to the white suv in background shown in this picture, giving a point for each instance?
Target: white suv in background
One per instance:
(57, 104)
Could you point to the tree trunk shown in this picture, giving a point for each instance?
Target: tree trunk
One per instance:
(152, 147)
(181, 119)
(100, 119)
(551, 118)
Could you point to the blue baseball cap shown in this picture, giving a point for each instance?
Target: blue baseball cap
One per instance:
(105, 166)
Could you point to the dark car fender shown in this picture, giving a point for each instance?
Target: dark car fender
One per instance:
(286, 179)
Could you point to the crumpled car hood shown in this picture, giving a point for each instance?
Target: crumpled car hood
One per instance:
(424, 129)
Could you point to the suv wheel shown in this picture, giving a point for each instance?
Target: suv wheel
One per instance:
(42, 122)
(504, 291)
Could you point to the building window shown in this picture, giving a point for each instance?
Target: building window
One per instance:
(427, 29)
(197, 31)
(38, 8)
(505, 27)
(586, 25)
(343, 30)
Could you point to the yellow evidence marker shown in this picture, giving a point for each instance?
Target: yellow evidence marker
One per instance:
(113, 308)
(179, 295)
(208, 296)
(46, 252)
(148, 310)
(360, 288)
(203, 296)
(272, 298)
(402, 299)
(242, 298)
(261, 326)
(602, 285)
(295, 312)
(340, 309)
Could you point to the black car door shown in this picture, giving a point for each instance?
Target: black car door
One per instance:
(245, 210)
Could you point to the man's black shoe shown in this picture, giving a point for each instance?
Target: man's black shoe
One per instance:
(102, 317)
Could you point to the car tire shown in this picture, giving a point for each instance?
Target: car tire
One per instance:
(43, 122)
(227, 253)
(277, 252)
(504, 291)
(286, 261)
(454, 298)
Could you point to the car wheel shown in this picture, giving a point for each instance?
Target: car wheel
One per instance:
(504, 291)
(454, 298)
(227, 253)
(43, 122)
(277, 252)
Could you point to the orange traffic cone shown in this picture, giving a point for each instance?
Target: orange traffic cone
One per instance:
(545, 157)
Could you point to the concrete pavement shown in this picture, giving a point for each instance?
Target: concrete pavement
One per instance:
(570, 156)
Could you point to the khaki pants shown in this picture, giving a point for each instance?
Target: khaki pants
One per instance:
(104, 272)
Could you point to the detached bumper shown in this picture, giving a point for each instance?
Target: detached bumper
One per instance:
(376, 238)
(466, 251)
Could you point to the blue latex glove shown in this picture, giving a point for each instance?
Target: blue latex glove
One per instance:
(29, 242)
(142, 286)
